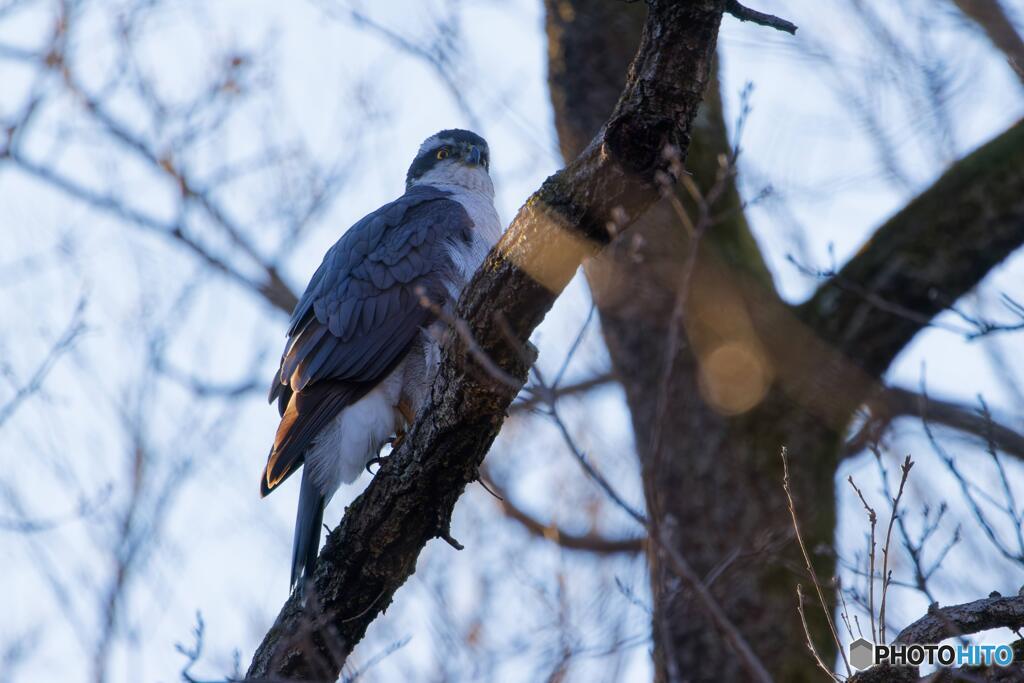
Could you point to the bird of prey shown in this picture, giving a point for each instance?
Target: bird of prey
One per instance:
(362, 345)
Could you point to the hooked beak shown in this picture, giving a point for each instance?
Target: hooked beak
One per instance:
(473, 156)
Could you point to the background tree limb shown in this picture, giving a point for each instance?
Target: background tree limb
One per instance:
(924, 258)
(896, 402)
(591, 542)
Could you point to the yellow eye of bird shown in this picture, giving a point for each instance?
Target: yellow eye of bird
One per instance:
(442, 153)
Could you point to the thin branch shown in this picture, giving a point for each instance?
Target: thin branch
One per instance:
(896, 402)
(534, 393)
(376, 659)
(807, 560)
(873, 521)
(462, 328)
(971, 493)
(592, 472)
(886, 576)
(175, 231)
(67, 339)
(970, 219)
(573, 348)
(718, 616)
(807, 635)
(743, 13)
(593, 543)
(1009, 496)
(915, 550)
(434, 56)
(86, 507)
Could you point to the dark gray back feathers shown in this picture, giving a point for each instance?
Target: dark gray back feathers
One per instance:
(360, 314)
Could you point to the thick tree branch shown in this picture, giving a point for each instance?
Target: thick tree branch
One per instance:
(962, 620)
(942, 623)
(410, 501)
(926, 256)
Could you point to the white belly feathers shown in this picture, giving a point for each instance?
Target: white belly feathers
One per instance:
(356, 435)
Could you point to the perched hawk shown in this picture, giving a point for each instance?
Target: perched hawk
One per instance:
(361, 356)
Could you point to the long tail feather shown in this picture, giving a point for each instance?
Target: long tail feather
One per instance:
(307, 532)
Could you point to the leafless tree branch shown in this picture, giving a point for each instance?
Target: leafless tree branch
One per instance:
(971, 617)
(895, 402)
(743, 13)
(534, 397)
(948, 239)
(63, 344)
(593, 543)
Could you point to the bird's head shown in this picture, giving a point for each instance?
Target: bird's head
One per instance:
(453, 157)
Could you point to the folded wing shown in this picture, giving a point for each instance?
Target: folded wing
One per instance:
(359, 316)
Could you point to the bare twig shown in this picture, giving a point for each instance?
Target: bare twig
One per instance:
(807, 634)
(873, 521)
(807, 560)
(696, 229)
(895, 402)
(905, 472)
(461, 328)
(30, 525)
(972, 493)
(437, 57)
(1012, 511)
(743, 13)
(594, 543)
(844, 611)
(592, 472)
(66, 340)
(376, 659)
(836, 278)
(573, 348)
(534, 396)
(711, 607)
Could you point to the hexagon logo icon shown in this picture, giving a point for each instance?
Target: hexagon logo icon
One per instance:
(862, 653)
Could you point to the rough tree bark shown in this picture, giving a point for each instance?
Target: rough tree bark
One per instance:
(942, 623)
(746, 374)
(410, 501)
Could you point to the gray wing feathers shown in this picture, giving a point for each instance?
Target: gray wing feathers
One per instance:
(366, 288)
(361, 311)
